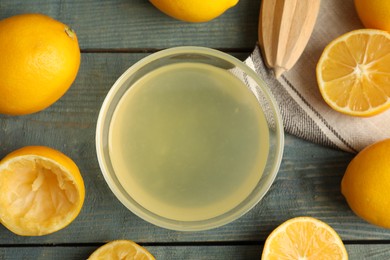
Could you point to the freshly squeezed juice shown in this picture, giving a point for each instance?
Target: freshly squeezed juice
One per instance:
(188, 141)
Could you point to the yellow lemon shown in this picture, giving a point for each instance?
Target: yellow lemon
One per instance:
(366, 184)
(353, 73)
(374, 13)
(40, 58)
(121, 249)
(304, 238)
(194, 10)
(42, 191)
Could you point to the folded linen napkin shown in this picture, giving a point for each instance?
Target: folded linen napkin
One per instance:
(305, 114)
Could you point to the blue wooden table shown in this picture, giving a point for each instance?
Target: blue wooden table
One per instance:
(113, 35)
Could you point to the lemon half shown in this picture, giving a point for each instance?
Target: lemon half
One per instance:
(42, 191)
(121, 249)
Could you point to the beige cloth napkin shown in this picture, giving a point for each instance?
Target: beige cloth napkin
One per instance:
(303, 110)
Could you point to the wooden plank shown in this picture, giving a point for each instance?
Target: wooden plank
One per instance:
(137, 24)
(195, 252)
(308, 182)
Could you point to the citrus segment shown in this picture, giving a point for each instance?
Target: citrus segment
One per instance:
(194, 10)
(40, 58)
(121, 249)
(353, 73)
(304, 238)
(366, 184)
(42, 191)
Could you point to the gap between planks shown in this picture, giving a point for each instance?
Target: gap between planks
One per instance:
(152, 50)
(185, 244)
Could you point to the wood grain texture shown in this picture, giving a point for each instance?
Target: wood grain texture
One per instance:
(308, 182)
(129, 24)
(284, 30)
(114, 35)
(193, 252)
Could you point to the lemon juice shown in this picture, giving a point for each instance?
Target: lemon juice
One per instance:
(188, 141)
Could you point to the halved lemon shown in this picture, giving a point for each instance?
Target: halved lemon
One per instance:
(42, 191)
(121, 249)
(353, 73)
(304, 238)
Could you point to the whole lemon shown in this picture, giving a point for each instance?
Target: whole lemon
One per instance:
(194, 10)
(40, 58)
(374, 13)
(366, 184)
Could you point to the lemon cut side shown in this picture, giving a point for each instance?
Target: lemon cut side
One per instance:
(42, 191)
(121, 249)
(353, 73)
(304, 238)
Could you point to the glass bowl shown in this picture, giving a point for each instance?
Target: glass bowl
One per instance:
(141, 152)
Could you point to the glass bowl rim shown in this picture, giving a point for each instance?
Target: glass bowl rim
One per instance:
(206, 224)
